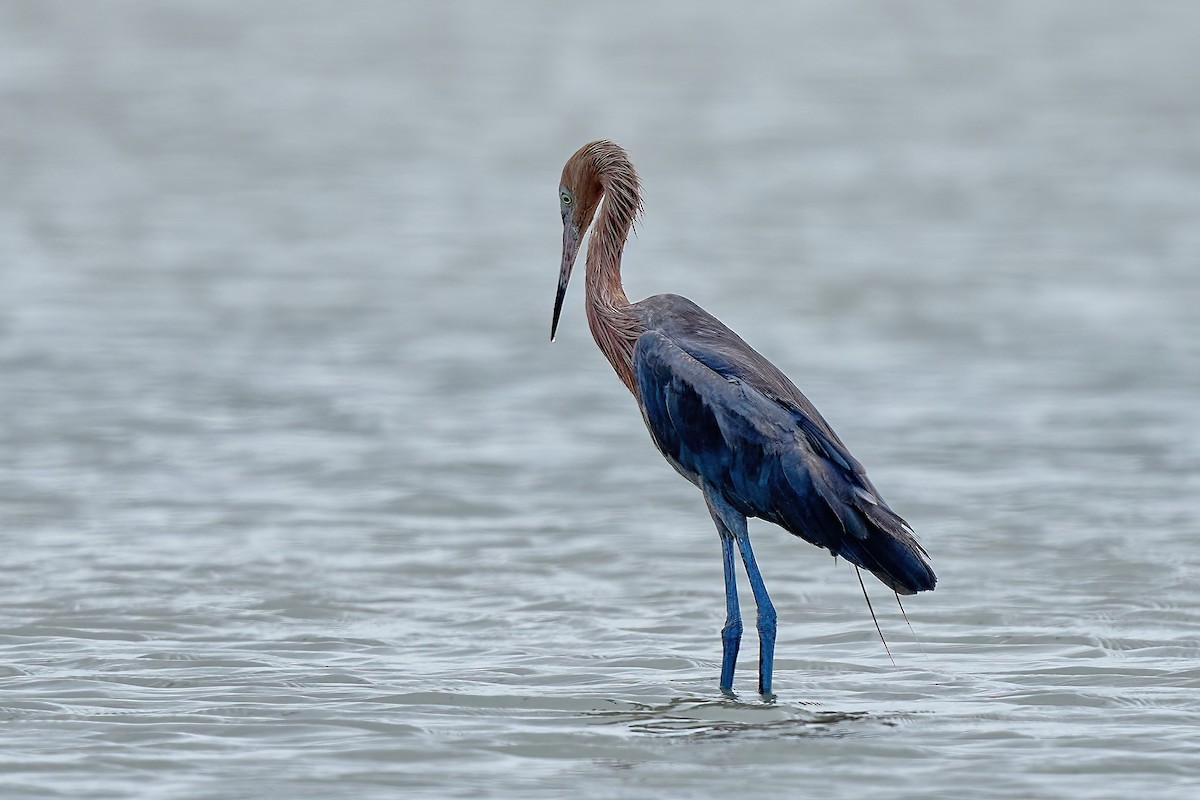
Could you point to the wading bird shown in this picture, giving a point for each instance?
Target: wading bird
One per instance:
(722, 415)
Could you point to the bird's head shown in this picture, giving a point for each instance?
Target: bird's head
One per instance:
(579, 194)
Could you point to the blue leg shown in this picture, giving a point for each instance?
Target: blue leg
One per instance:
(731, 634)
(766, 613)
(729, 521)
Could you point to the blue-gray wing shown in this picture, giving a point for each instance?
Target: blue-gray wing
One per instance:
(768, 457)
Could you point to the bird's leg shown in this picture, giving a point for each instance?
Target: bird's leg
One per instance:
(766, 612)
(730, 521)
(731, 634)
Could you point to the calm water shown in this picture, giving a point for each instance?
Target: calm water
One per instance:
(297, 500)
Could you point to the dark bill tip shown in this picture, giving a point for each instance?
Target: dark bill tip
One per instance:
(558, 303)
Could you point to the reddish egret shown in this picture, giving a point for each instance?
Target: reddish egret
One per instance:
(722, 415)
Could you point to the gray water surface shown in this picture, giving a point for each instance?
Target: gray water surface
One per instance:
(298, 501)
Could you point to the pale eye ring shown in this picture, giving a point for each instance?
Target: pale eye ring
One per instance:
(565, 197)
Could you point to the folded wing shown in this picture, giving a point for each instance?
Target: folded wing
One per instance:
(747, 432)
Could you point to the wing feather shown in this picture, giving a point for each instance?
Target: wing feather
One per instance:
(770, 455)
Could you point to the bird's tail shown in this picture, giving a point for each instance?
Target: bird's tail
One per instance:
(848, 517)
(889, 550)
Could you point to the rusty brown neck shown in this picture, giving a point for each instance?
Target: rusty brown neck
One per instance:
(611, 318)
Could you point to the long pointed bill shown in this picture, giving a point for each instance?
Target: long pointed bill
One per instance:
(570, 250)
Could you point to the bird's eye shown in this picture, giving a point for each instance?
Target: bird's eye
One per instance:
(566, 198)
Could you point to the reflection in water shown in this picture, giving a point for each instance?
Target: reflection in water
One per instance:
(719, 719)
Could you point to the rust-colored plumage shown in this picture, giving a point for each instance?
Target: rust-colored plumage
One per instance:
(603, 169)
(723, 415)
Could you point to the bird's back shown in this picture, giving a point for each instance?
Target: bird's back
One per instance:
(725, 416)
(719, 348)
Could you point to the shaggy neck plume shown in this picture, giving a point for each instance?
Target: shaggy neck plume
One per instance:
(610, 317)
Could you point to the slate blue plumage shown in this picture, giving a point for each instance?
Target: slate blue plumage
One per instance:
(737, 428)
(725, 417)
(731, 423)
